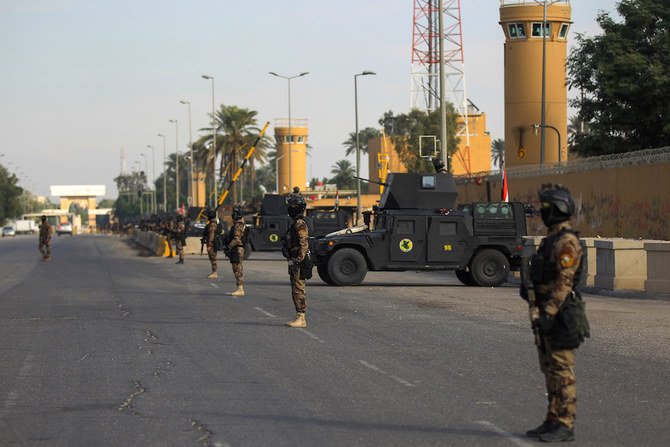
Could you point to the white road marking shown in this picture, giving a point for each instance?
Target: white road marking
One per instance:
(214, 285)
(513, 439)
(13, 395)
(310, 334)
(396, 378)
(265, 313)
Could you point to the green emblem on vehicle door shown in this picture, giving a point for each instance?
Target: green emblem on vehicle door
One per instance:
(406, 245)
(274, 237)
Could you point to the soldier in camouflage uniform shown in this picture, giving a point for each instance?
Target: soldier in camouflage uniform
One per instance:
(235, 248)
(296, 250)
(180, 237)
(46, 230)
(209, 235)
(169, 234)
(555, 273)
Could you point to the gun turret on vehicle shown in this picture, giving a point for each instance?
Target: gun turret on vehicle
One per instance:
(417, 227)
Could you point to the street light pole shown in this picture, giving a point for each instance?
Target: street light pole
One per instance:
(216, 195)
(164, 174)
(176, 174)
(191, 199)
(153, 175)
(358, 148)
(290, 136)
(146, 174)
(277, 172)
(537, 127)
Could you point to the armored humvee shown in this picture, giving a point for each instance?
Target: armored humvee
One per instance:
(272, 222)
(417, 228)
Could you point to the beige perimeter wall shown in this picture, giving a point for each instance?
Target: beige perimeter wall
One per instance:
(630, 202)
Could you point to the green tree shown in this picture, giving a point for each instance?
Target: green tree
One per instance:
(343, 175)
(170, 180)
(364, 136)
(236, 131)
(623, 77)
(498, 152)
(127, 205)
(10, 195)
(405, 130)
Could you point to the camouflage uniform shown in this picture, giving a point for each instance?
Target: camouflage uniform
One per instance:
(210, 231)
(557, 359)
(46, 230)
(179, 235)
(236, 246)
(298, 249)
(169, 230)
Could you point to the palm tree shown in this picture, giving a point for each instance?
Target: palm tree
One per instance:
(364, 136)
(498, 152)
(236, 131)
(343, 176)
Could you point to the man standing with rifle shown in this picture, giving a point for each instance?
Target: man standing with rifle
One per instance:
(234, 248)
(556, 311)
(209, 239)
(180, 237)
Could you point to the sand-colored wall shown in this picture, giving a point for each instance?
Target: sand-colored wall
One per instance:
(630, 202)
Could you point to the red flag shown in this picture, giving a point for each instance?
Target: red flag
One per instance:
(504, 193)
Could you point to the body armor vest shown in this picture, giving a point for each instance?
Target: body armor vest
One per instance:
(544, 269)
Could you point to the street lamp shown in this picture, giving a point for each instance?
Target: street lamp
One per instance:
(290, 137)
(538, 127)
(277, 172)
(358, 149)
(216, 195)
(176, 130)
(153, 174)
(146, 177)
(543, 113)
(164, 174)
(191, 199)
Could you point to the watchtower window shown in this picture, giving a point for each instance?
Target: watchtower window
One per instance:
(516, 31)
(563, 33)
(537, 29)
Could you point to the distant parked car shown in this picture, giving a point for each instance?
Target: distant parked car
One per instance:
(8, 231)
(64, 228)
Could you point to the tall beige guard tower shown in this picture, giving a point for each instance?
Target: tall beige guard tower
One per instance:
(521, 21)
(295, 174)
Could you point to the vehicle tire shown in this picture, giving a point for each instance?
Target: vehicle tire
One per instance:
(247, 251)
(489, 268)
(347, 267)
(465, 277)
(322, 270)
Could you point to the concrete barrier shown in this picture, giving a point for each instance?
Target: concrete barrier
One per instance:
(589, 271)
(658, 266)
(621, 264)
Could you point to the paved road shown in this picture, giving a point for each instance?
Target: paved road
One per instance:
(107, 346)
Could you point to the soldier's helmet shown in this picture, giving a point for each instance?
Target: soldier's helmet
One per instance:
(438, 163)
(296, 190)
(43, 218)
(238, 212)
(556, 204)
(180, 217)
(295, 204)
(210, 213)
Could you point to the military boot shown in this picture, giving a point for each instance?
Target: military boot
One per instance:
(213, 275)
(181, 261)
(545, 427)
(238, 292)
(299, 320)
(560, 433)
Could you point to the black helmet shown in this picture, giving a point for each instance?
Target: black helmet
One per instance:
(43, 218)
(556, 204)
(210, 213)
(295, 204)
(180, 217)
(238, 212)
(438, 163)
(296, 190)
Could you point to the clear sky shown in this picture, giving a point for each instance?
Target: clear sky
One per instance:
(81, 79)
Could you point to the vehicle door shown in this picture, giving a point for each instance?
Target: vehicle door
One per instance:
(273, 229)
(408, 239)
(447, 240)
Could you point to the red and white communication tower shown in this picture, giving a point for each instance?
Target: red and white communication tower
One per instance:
(425, 88)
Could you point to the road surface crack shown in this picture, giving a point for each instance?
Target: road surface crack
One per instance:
(127, 404)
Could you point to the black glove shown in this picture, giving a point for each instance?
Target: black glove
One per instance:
(544, 324)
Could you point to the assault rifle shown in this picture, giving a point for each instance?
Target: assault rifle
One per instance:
(371, 181)
(533, 310)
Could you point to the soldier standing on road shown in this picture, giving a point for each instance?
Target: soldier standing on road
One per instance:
(169, 232)
(46, 230)
(235, 248)
(180, 237)
(209, 237)
(555, 272)
(296, 250)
